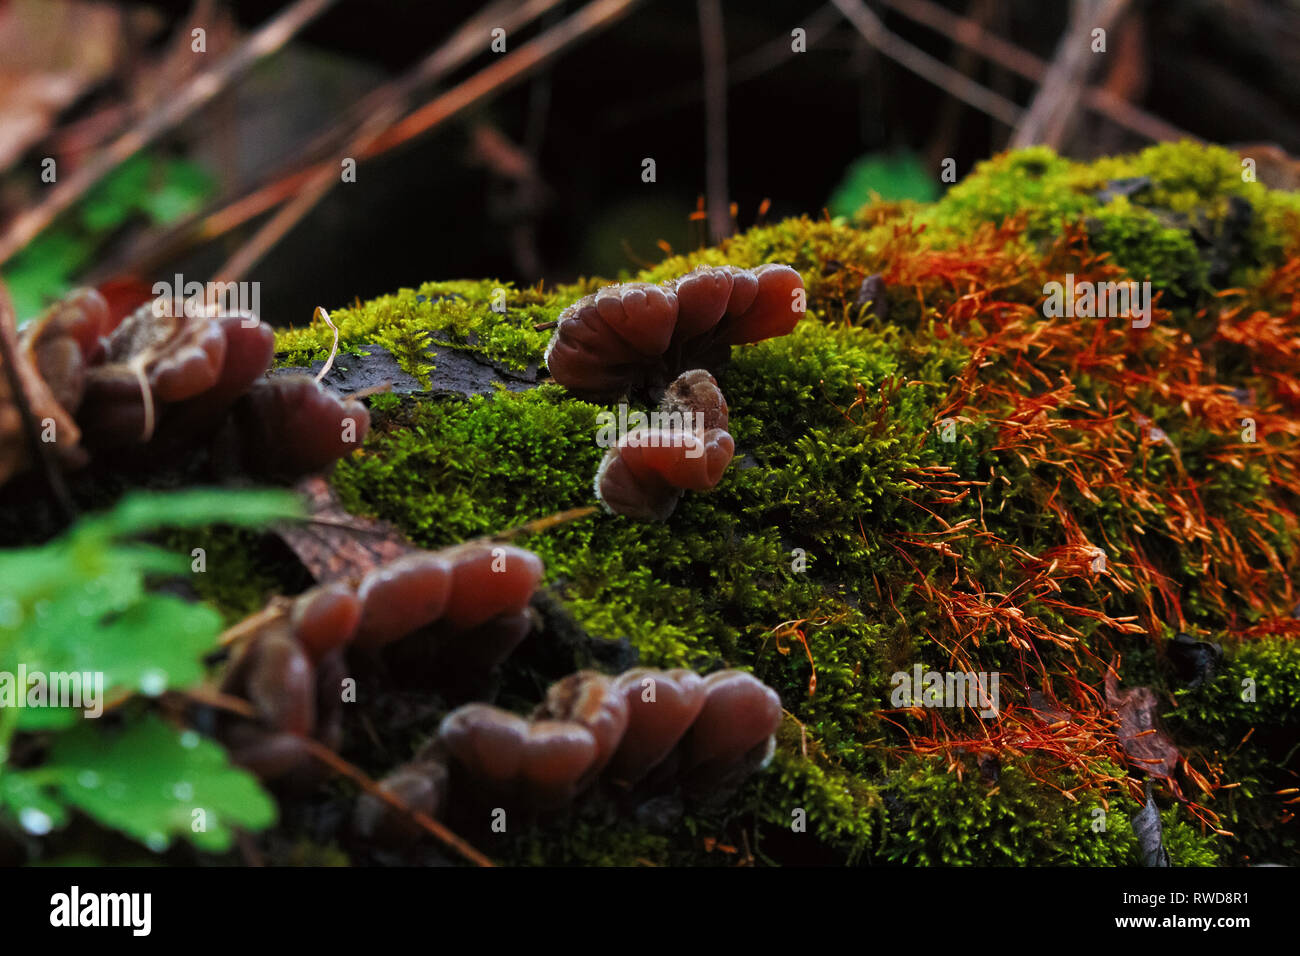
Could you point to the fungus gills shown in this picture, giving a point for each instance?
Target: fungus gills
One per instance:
(644, 475)
(161, 382)
(642, 336)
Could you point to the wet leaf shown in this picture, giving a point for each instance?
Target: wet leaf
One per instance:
(150, 779)
(1141, 737)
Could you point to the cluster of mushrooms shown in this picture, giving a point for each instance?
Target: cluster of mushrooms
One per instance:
(158, 385)
(639, 732)
(459, 611)
(662, 340)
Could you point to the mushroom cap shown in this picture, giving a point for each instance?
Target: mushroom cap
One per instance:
(644, 497)
(681, 459)
(644, 475)
(325, 618)
(558, 754)
(276, 676)
(489, 580)
(620, 336)
(661, 707)
(739, 713)
(402, 597)
(773, 311)
(541, 761)
(695, 392)
(594, 701)
(487, 741)
(702, 298)
(292, 426)
(269, 754)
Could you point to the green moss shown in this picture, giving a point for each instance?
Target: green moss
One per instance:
(1172, 230)
(491, 318)
(937, 818)
(1248, 719)
(794, 565)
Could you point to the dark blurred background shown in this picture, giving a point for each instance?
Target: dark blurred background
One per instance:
(541, 177)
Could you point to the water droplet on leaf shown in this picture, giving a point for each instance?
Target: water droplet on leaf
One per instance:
(153, 682)
(35, 821)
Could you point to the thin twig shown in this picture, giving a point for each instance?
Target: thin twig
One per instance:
(507, 71)
(541, 524)
(1009, 56)
(922, 64)
(817, 26)
(1053, 108)
(237, 705)
(713, 44)
(273, 611)
(426, 822)
(285, 184)
(377, 112)
(379, 134)
(197, 92)
(40, 451)
(334, 349)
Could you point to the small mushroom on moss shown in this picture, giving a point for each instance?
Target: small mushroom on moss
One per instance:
(644, 475)
(638, 335)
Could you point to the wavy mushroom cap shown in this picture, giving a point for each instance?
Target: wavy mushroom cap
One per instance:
(661, 706)
(775, 309)
(292, 426)
(558, 757)
(597, 703)
(489, 580)
(740, 713)
(276, 676)
(541, 761)
(325, 619)
(636, 333)
(402, 597)
(644, 475)
(487, 741)
(640, 497)
(682, 459)
(695, 395)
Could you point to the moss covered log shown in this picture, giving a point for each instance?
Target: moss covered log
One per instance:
(930, 470)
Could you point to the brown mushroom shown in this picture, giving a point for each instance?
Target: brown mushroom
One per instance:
(734, 732)
(164, 384)
(644, 475)
(640, 335)
(661, 706)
